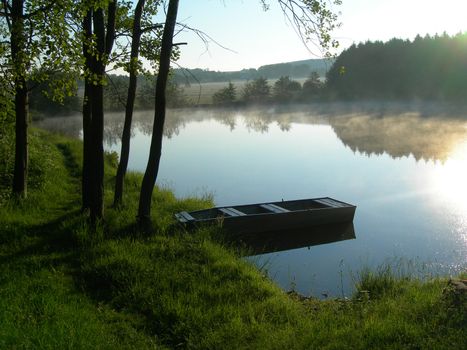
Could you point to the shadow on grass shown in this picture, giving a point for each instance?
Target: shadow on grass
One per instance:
(50, 244)
(70, 161)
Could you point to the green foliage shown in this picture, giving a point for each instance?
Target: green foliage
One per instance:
(150, 38)
(286, 90)
(227, 95)
(50, 47)
(313, 20)
(256, 91)
(43, 104)
(425, 68)
(312, 87)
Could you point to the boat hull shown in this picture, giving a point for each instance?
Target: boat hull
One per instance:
(276, 216)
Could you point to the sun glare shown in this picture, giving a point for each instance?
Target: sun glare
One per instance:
(451, 178)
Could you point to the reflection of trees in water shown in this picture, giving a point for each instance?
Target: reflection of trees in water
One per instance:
(427, 131)
(113, 128)
(401, 135)
(257, 123)
(258, 120)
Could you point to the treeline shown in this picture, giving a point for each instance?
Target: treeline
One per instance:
(427, 68)
(115, 92)
(430, 67)
(259, 91)
(296, 69)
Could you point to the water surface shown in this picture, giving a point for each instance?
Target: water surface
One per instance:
(404, 167)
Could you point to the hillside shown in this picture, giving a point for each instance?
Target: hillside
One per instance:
(296, 69)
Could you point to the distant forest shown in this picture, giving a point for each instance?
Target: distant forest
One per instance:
(296, 69)
(426, 68)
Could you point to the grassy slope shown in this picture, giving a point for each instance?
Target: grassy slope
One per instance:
(62, 286)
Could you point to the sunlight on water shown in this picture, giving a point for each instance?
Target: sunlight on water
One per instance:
(450, 178)
(450, 185)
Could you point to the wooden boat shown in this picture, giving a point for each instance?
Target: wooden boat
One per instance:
(275, 216)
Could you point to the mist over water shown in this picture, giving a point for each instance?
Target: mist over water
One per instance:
(403, 165)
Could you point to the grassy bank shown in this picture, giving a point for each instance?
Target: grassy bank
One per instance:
(64, 286)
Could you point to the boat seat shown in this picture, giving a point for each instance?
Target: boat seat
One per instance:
(330, 202)
(185, 216)
(274, 208)
(232, 211)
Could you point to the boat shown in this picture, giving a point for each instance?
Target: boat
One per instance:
(272, 216)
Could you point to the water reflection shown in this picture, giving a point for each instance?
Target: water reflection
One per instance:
(404, 166)
(269, 242)
(400, 130)
(449, 180)
(401, 135)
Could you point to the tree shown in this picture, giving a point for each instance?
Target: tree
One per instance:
(256, 91)
(225, 96)
(286, 90)
(130, 101)
(152, 168)
(99, 36)
(34, 45)
(312, 87)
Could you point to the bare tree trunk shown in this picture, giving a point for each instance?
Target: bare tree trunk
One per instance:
(87, 114)
(104, 42)
(130, 101)
(97, 122)
(150, 175)
(20, 175)
(18, 55)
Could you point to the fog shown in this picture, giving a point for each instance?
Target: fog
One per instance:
(427, 131)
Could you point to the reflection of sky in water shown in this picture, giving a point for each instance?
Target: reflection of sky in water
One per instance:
(409, 209)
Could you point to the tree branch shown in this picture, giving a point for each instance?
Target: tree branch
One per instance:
(184, 71)
(205, 38)
(6, 9)
(153, 27)
(119, 97)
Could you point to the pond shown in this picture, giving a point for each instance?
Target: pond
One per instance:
(404, 166)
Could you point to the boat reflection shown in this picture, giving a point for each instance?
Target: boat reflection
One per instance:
(269, 242)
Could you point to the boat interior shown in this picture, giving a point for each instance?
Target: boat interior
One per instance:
(267, 208)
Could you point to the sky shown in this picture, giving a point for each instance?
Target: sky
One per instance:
(255, 37)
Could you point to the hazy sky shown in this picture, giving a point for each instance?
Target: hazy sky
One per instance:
(259, 37)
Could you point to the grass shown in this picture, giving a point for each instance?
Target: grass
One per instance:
(63, 285)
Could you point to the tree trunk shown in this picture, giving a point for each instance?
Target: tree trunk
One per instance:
(20, 175)
(97, 121)
(18, 55)
(103, 46)
(150, 175)
(130, 101)
(87, 113)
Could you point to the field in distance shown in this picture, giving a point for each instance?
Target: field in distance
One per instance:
(202, 93)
